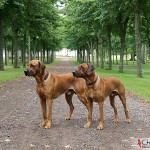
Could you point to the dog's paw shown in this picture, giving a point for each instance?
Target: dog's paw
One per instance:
(128, 120)
(116, 120)
(100, 127)
(48, 126)
(87, 125)
(67, 118)
(43, 123)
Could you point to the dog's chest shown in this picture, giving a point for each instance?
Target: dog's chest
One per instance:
(41, 92)
(91, 93)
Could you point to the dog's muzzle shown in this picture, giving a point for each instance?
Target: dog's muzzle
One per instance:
(77, 74)
(28, 73)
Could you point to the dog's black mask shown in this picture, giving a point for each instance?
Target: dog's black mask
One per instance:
(27, 73)
(77, 74)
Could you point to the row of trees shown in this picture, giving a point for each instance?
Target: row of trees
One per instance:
(104, 28)
(28, 29)
(112, 26)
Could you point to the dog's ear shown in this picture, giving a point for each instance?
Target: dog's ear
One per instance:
(90, 69)
(42, 67)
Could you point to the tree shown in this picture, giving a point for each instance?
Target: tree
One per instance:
(2, 16)
(138, 36)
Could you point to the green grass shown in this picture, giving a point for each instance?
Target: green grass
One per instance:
(134, 84)
(11, 73)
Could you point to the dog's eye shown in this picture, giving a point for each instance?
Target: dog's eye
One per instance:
(82, 68)
(32, 66)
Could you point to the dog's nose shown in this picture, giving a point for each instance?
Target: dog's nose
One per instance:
(25, 72)
(73, 73)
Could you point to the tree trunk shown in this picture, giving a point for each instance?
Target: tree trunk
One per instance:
(29, 48)
(12, 52)
(1, 43)
(83, 60)
(16, 50)
(109, 49)
(102, 53)
(48, 56)
(126, 56)
(123, 27)
(144, 54)
(24, 50)
(52, 56)
(116, 58)
(122, 51)
(43, 52)
(5, 54)
(138, 37)
(78, 55)
(97, 53)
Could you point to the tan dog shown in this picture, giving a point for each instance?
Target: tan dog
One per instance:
(50, 86)
(99, 88)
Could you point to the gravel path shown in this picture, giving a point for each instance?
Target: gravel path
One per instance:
(20, 115)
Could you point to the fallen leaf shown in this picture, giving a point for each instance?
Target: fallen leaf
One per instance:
(68, 146)
(125, 141)
(133, 145)
(47, 146)
(139, 129)
(31, 145)
(13, 116)
(7, 140)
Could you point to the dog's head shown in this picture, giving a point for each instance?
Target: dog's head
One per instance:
(34, 67)
(83, 70)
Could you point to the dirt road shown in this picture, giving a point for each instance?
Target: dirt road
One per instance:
(20, 115)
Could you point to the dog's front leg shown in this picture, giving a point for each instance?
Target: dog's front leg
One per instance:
(43, 105)
(101, 123)
(49, 118)
(90, 109)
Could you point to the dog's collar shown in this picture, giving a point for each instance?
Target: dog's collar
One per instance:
(89, 84)
(46, 76)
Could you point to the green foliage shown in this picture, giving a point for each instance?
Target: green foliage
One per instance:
(11, 73)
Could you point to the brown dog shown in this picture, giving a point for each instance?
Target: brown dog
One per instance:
(99, 88)
(50, 86)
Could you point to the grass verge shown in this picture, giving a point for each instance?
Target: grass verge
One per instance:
(11, 73)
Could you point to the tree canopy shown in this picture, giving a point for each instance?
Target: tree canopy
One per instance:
(101, 29)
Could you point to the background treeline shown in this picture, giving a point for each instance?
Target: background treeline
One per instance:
(104, 32)
(108, 29)
(28, 29)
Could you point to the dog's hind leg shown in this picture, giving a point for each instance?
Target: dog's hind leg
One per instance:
(123, 100)
(68, 97)
(112, 103)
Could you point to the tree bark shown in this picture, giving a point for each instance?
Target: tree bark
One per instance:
(24, 50)
(123, 27)
(1, 43)
(102, 53)
(97, 53)
(138, 37)
(16, 50)
(5, 53)
(109, 49)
